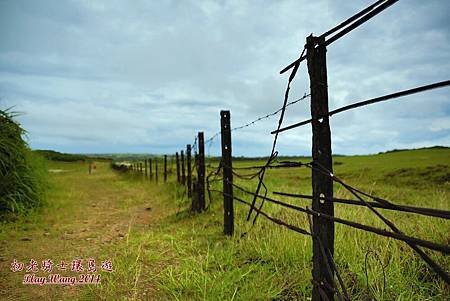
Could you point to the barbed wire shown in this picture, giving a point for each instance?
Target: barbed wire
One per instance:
(209, 140)
(274, 153)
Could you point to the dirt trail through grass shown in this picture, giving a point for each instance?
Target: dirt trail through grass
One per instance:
(86, 217)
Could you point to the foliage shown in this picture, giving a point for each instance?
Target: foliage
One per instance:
(57, 156)
(22, 173)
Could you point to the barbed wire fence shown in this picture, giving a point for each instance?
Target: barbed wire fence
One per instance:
(326, 279)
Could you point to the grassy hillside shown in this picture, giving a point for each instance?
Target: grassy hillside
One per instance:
(267, 261)
(161, 251)
(64, 157)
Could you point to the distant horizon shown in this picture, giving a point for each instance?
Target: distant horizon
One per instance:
(243, 156)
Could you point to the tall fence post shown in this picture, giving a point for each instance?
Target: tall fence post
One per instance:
(156, 170)
(150, 168)
(141, 169)
(201, 172)
(178, 167)
(189, 173)
(165, 168)
(183, 171)
(322, 184)
(228, 211)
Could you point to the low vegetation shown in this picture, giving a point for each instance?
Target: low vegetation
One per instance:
(162, 251)
(186, 256)
(63, 157)
(22, 173)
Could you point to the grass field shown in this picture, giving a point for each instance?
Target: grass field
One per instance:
(160, 251)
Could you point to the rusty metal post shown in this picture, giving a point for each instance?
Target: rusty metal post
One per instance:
(322, 185)
(165, 168)
(228, 212)
(178, 167)
(189, 173)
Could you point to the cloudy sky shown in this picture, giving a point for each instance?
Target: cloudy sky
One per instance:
(146, 76)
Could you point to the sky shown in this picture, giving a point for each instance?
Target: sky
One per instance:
(146, 76)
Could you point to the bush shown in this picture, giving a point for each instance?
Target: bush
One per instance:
(57, 156)
(22, 173)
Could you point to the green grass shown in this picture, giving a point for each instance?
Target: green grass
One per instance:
(165, 252)
(22, 172)
(194, 261)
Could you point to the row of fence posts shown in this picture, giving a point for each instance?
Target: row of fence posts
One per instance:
(322, 186)
(149, 169)
(195, 185)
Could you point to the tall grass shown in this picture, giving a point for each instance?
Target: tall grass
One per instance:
(185, 256)
(22, 173)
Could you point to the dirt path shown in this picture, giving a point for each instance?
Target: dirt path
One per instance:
(87, 216)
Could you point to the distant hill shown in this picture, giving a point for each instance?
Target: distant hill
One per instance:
(64, 157)
(420, 148)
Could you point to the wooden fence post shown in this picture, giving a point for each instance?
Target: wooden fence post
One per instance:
(201, 172)
(183, 171)
(156, 170)
(322, 184)
(194, 183)
(188, 165)
(150, 168)
(145, 169)
(165, 168)
(178, 167)
(141, 169)
(228, 211)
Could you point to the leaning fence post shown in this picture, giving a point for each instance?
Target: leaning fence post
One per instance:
(322, 184)
(228, 212)
(165, 168)
(178, 167)
(189, 173)
(201, 172)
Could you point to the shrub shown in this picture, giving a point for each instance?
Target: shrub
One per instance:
(22, 173)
